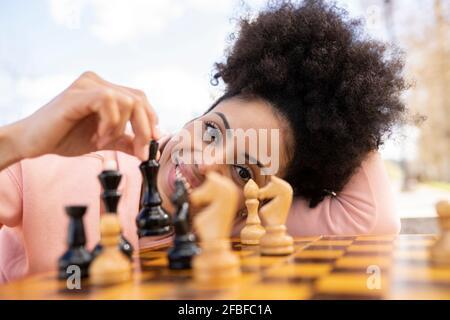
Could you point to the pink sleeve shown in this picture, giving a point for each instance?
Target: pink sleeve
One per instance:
(11, 196)
(365, 206)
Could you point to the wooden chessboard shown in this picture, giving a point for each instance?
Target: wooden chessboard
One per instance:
(320, 268)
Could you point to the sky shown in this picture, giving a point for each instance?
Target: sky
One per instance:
(167, 48)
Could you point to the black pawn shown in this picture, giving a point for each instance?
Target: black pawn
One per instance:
(110, 180)
(76, 253)
(152, 220)
(185, 248)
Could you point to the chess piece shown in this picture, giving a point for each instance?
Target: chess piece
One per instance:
(253, 230)
(152, 220)
(110, 179)
(111, 265)
(440, 252)
(218, 198)
(276, 241)
(184, 249)
(76, 255)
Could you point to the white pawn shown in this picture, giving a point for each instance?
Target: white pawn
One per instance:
(253, 230)
(111, 265)
(440, 252)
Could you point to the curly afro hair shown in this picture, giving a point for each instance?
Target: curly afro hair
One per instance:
(339, 91)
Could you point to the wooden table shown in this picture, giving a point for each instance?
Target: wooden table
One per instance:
(373, 267)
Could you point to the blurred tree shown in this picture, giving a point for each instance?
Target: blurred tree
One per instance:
(392, 35)
(429, 64)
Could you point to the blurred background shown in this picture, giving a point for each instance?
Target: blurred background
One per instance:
(168, 47)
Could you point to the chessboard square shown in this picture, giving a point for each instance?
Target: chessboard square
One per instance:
(133, 291)
(368, 254)
(421, 274)
(350, 284)
(151, 255)
(335, 238)
(411, 255)
(306, 239)
(318, 247)
(244, 254)
(325, 254)
(35, 288)
(264, 261)
(414, 292)
(161, 262)
(277, 291)
(376, 238)
(301, 245)
(294, 280)
(363, 262)
(400, 243)
(370, 248)
(184, 293)
(232, 284)
(331, 243)
(300, 270)
(364, 242)
(411, 237)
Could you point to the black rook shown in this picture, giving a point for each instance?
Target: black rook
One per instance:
(76, 254)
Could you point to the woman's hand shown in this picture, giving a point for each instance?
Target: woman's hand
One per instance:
(90, 115)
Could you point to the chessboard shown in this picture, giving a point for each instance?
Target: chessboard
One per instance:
(354, 267)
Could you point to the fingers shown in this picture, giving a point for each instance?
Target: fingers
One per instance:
(140, 98)
(109, 116)
(124, 144)
(141, 128)
(116, 106)
(113, 110)
(149, 111)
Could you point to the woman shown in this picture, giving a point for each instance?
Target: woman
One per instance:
(304, 69)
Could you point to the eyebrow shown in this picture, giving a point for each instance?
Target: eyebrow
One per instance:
(224, 119)
(252, 160)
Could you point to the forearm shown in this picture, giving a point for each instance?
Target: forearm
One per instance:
(9, 152)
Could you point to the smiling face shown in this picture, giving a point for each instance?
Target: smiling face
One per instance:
(241, 139)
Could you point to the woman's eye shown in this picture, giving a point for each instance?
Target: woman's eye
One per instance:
(212, 132)
(243, 173)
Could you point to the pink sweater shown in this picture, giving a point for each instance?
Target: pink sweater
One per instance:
(34, 192)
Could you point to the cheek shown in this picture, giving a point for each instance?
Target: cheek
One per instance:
(166, 153)
(241, 203)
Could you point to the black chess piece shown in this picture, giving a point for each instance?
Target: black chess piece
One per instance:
(152, 220)
(76, 253)
(184, 248)
(110, 180)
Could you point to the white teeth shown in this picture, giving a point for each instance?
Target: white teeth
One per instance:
(180, 176)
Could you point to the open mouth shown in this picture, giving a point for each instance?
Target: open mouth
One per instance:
(179, 175)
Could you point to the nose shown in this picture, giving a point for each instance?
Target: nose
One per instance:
(204, 168)
(211, 163)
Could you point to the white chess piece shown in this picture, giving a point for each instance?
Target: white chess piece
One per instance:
(274, 214)
(216, 262)
(253, 230)
(440, 252)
